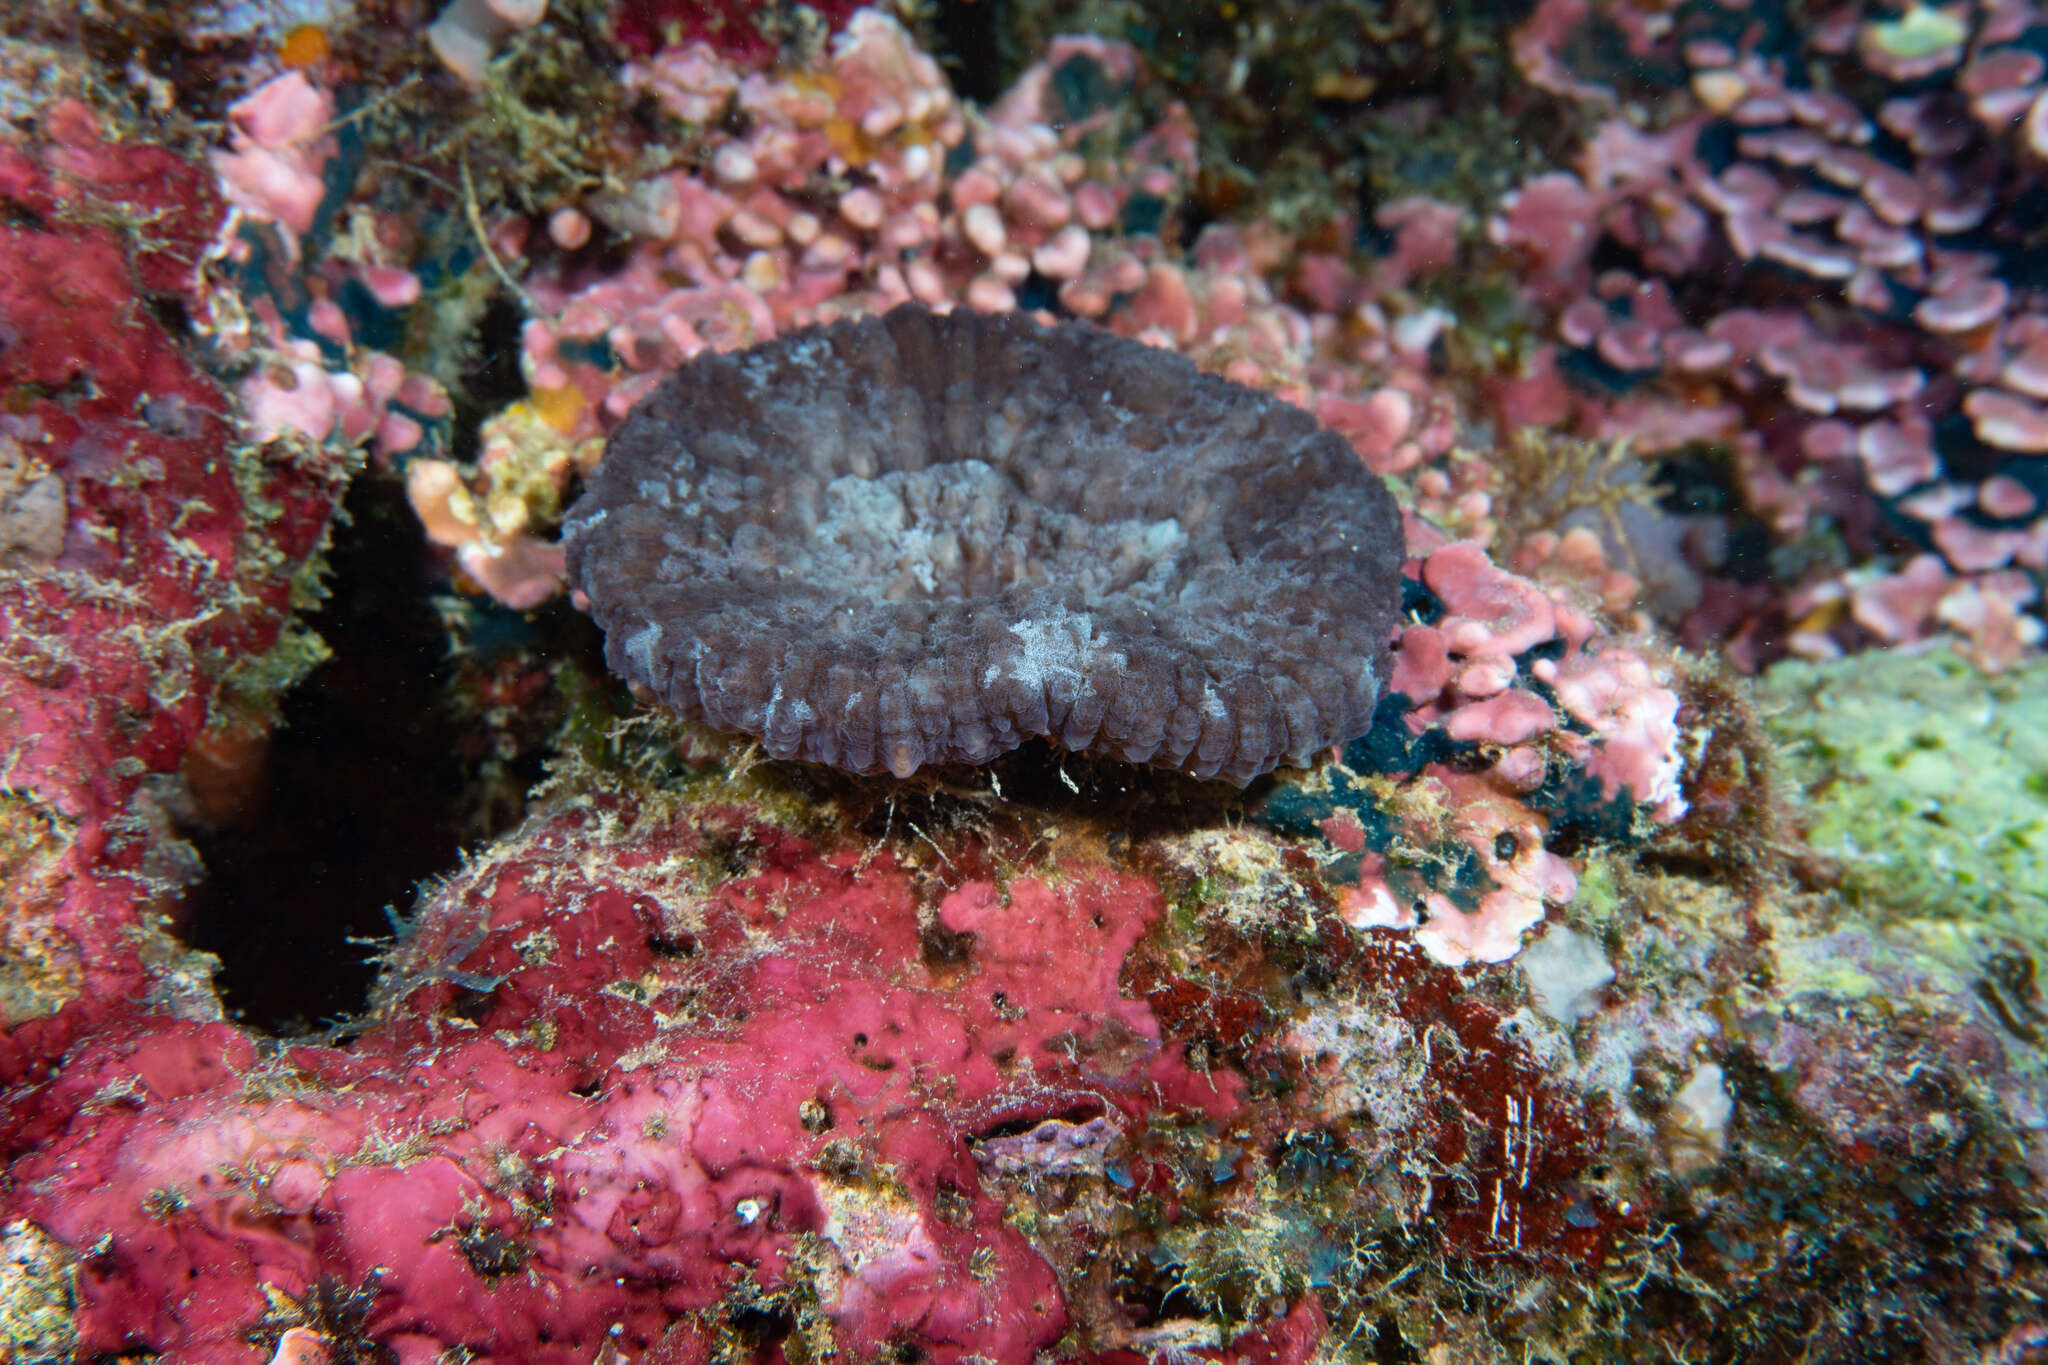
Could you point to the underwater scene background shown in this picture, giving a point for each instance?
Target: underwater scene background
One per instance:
(1645, 969)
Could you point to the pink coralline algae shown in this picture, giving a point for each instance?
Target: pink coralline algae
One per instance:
(278, 148)
(594, 1103)
(1881, 168)
(148, 565)
(1523, 674)
(274, 177)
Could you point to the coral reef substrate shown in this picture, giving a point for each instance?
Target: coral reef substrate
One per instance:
(1581, 1001)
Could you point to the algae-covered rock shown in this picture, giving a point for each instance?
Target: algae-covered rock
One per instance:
(1927, 779)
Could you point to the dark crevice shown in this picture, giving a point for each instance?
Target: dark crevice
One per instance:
(491, 378)
(362, 795)
(967, 35)
(760, 1327)
(1080, 1112)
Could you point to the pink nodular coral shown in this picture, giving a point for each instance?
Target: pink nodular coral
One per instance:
(277, 151)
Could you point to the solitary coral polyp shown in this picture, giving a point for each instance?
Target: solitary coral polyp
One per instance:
(924, 539)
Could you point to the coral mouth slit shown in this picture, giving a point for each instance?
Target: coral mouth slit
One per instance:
(921, 539)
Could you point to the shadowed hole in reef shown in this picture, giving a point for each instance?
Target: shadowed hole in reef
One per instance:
(364, 791)
(968, 34)
(386, 760)
(392, 754)
(491, 377)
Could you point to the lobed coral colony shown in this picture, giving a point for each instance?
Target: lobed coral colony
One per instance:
(925, 539)
(1033, 682)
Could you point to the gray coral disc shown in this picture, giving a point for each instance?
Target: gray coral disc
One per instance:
(918, 539)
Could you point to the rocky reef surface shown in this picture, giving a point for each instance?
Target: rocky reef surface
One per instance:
(1655, 978)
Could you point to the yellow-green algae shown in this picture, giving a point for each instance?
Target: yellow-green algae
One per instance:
(1928, 781)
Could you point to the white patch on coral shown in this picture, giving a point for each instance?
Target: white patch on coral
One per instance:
(641, 645)
(1164, 537)
(1491, 933)
(1371, 905)
(1365, 1061)
(784, 721)
(1566, 973)
(32, 508)
(1058, 647)
(1697, 1122)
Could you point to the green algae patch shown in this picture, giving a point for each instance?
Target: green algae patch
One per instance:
(1926, 779)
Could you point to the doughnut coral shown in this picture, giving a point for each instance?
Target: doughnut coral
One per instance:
(919, 539)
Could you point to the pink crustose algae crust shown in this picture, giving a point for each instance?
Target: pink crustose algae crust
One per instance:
(573, 1163)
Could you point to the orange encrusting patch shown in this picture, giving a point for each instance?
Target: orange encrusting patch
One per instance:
(303, 46)
(559, 407)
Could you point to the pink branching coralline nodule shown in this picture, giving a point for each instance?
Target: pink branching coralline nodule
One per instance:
(926, 539)
(1886, 163)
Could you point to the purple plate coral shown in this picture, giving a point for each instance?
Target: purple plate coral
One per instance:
(925, 539)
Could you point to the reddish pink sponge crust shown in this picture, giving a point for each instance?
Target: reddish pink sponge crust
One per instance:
(654, 1100)
(144, 559)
